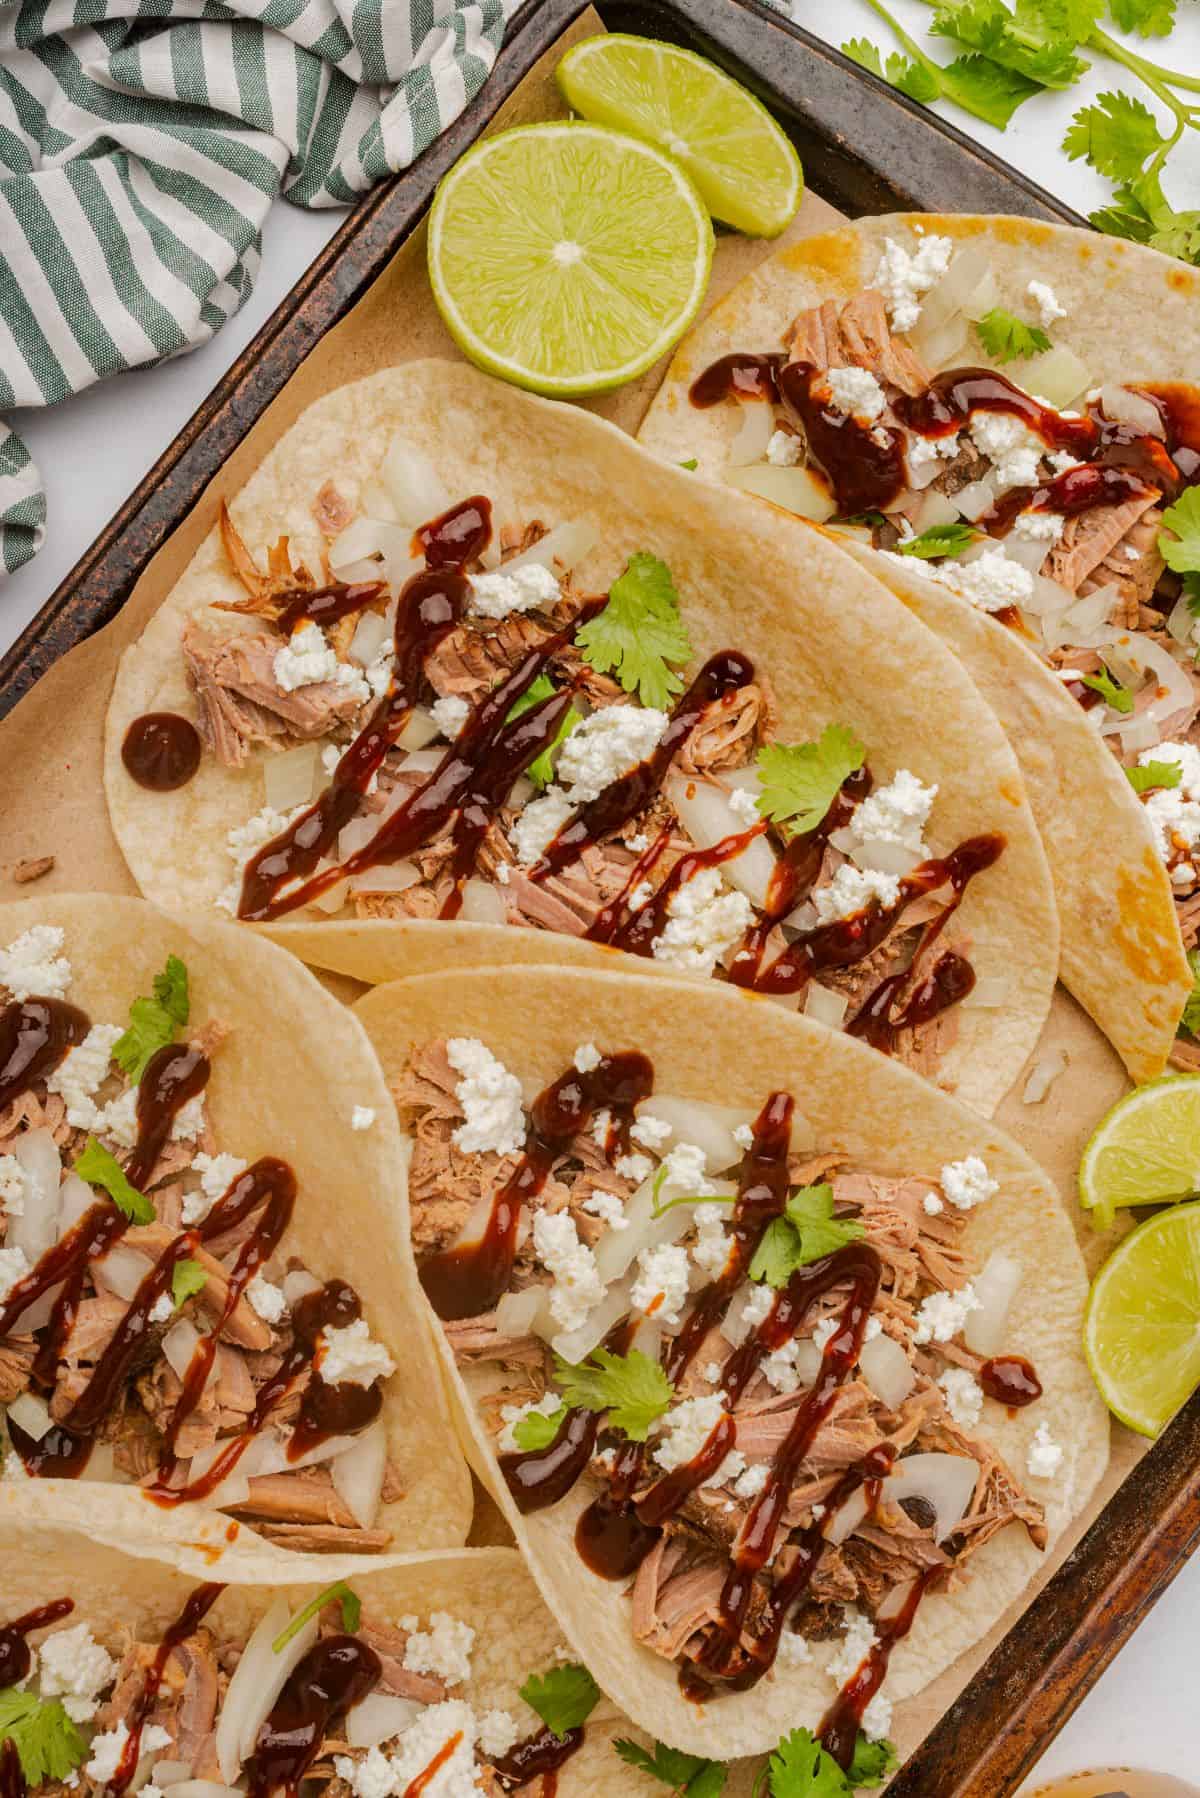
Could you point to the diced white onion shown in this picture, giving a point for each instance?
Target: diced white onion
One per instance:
(976, 498)
(647, 1338)
(940, 346)
(989, 992)
(708, 817)
(179, 1345)
(1058, 376)
(297, 1284)
(1130, 408)
(76, 1198)
(576, 1345)
(389, 877)
(802, 917)
(567, 544)
(1048, 599)
(1134, 654)
(933, 507)
(421, 761)
(358, 1474)
(1143, 733)
(710, 1127)
(886, 857)
(413, 483)
(36, 1228)
(369, 569)
(334, 898)
(807, 1361)
(947, 1482)
(735, 1326)
(794, 489)
(101, 1466)
(843, 1522)
(171, 1773)
(617, 1249)
(258, 1679)
(419, 729)
(951, 293)
(31, 1414)
(482, 903)
(983, 296)
(1091, 611)
(205, 1788)
(376, 501)
(378, 1718)
(516, 1310)
(824, 1005)
(292, 778)
(363, 540)
(122, 1270)
(1043, 1074)
(371, 633)
(357, 834)
(1027, 552)
(753, 435)
(995, 1286)
(887, 1370)
(1181, 621)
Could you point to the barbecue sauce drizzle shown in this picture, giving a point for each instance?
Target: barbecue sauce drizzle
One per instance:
(16, 1656)
(542, 1753)
(199, 1604)
(337, 1673)
(35, 1037)
(839, 1731)
(161, 751)
(12, 1775)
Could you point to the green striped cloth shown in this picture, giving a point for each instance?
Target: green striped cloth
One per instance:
(141, 143)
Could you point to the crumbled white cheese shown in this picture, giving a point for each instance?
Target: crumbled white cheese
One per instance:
(245, 840)
(1039, 526)
(577, 1284)
(1061, 461)
(743, 1136)
(784, 449)
(371, 1777)
(904, 277)
(639, 844)
(794, 1649)
(1014, 451)
(266, 1298)
(498, 1731)
(751, 1481)
(1047, 303)
(823, 1331)
(586, 1059)
(641, 896)
(507, 590)
(704, 921)
(779, 1367)
(362, 1117)
(634, 1167)
(661, 1286)
(1187, 758)
(351, 1356)
(856, 1645)
(685, 1428)
(896, 812)
(162, 1308)
(967, 1183)
(118, 1119)
(608, 1208)
(943, 1314)
(444, 1649)
(683, 1170)
(33, 965)
(512, 1415)
(650, 1131)
(877, 1718)
(538, 823)
(12, 1186)
(81, 1073)
(712, 1372)
(490, 1097)
(607, 745)
(421, 1746)
(1174, 821)
(601, 1125)
(855, 392)
(921, 452)
(217, 1174)
(75, 1667)
(743, 805)
(992, 581)
(1045, 1455)
(747, 1311)
(109, 1745)
(449, 713)
(963, 1395)
(189, 1121)
(851, 889)
(305, 660)
(710, 1251)
(14, 1265)
(932, 1205)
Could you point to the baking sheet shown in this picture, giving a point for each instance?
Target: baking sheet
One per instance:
(50, 746)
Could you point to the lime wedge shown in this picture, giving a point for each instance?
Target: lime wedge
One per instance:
(1145, 1150)
(739, 158)
(1141, 1333)
(567, 257)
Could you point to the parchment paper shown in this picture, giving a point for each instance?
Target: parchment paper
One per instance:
(50, 746)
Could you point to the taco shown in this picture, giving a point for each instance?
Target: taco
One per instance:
(206, 1289)
(779, 1385)
(125, 1667)
(1000, 418)
(457, 659)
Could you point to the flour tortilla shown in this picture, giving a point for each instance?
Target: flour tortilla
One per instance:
(124, 1584)
(890, 1121)
(1132, 314)
(285, 1082)
(827, 634)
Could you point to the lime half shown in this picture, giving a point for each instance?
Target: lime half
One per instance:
(743, 163)
(1141, 1333)
(567, 257)
(1145, 1150)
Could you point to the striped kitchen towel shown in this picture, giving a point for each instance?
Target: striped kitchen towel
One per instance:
(141, 143)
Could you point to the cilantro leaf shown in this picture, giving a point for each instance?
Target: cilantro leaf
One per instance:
(639, 632)
(541, 768)
(351, 1613)
(632, 1388)
(691, 463)
(689, 1774)
(1005, 336)
(800, 781)
(1154, 774)
(537, 1430)
(873, 1762)
(1115, 135)
(862, 51)
(982, 87)
(903, 72)
(1191, 589)
(564, 1697)
(1111, 691)
(187, 1279)
(99, 1168)
(806, 1231)
(1149, 18)
(47, 1741)
(988, 27)
(1190, 1021)
(152, 1022)
(939, 540)
(1182, 549)
(800, 1768)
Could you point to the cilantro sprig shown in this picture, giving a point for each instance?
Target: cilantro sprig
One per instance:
(939, 540)
(1179, 539)
(1111, 691)
(975, 83)
(351, 1605)
(806, 1231)
(153, 1021)
(187, 1279)
(541, 768)
(1005, 336)
(537, 1429)
(689, 1775)
(639, 636)
(563, 1697)
(1190, 1021)
(1154, 774)
(47, 1741)
(800, 1768)
(632, 1388)
(800, 781)
(100, 1168)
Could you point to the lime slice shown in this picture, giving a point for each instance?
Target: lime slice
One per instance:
(1145, 1150)
(567, 257)
(739, 158)
(1141, 1333)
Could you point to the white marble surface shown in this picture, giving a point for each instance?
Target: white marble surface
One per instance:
(97, 447)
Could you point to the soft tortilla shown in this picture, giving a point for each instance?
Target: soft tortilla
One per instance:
(827, 635)
(1131, 314)
(285, 1083)
(124, 1585)
(702, 1049)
